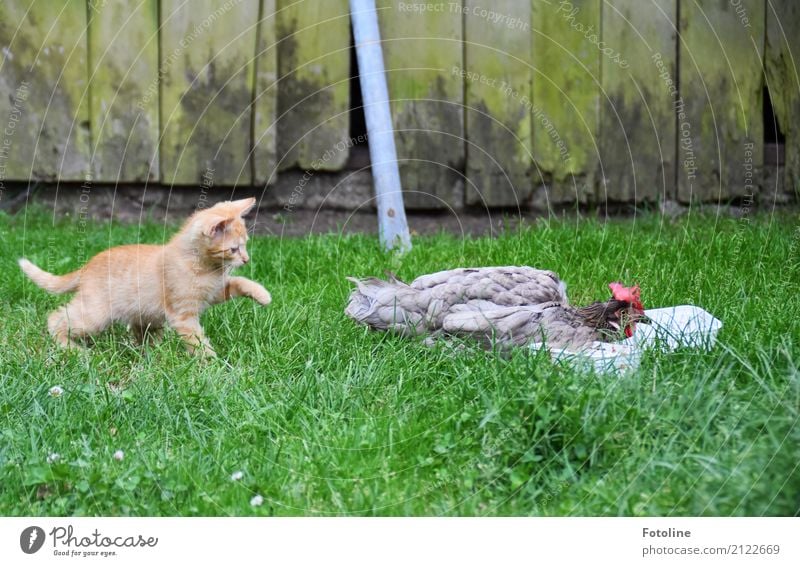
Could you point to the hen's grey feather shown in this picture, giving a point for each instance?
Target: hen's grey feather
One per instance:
(498, 306)
(423, 305)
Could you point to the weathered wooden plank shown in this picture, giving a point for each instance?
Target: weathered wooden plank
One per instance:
(498, 101)
(423, 56)
(782, 66)
(265, 102)
(123, 84)
(637, 124)
(314, 88)
(207, 51)
(43, 82)
(720, 135)
(566, 91)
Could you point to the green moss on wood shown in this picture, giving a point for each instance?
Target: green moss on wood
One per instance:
(782, 66)
(207, 70)
(637, 127)
(498, 101)
(566, 90)
(265, 99)
(314, 88)
(421, 51)
(721, 85)
(43, 81)
(123, 67)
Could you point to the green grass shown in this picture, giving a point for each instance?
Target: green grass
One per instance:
(326, 418)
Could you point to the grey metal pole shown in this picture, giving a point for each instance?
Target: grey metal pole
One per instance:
(392, 223)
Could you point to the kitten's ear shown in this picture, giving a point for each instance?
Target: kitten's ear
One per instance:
(214, 225)
(244, 206)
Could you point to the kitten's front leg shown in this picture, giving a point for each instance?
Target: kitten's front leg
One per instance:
(243, 287)
(189, 329)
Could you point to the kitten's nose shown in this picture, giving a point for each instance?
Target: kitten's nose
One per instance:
(245, 259)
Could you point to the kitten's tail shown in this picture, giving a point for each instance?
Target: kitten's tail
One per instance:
(49, 282)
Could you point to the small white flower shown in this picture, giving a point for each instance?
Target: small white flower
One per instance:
(53, 458)
(256, 500)
(236, 476)
(56, 391)
(119, 455)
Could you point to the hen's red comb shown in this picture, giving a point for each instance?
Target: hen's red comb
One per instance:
(629, 294)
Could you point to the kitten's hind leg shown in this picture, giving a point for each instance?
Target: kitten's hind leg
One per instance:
(58, 325)
(71, 322)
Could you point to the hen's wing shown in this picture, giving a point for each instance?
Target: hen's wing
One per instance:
(421, 306)
(492, 325)
(503, 286)
(551, 323)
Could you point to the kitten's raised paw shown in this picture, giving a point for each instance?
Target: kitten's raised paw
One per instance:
(262, 297)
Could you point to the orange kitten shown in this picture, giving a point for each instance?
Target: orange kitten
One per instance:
(147, 286)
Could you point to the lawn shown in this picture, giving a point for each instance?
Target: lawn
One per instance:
(323, 417)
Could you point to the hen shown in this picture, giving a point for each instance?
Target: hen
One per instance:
(498, 306)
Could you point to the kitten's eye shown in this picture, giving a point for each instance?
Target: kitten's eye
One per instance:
(234, 250)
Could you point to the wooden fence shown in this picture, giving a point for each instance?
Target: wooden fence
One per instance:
(500, 103)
